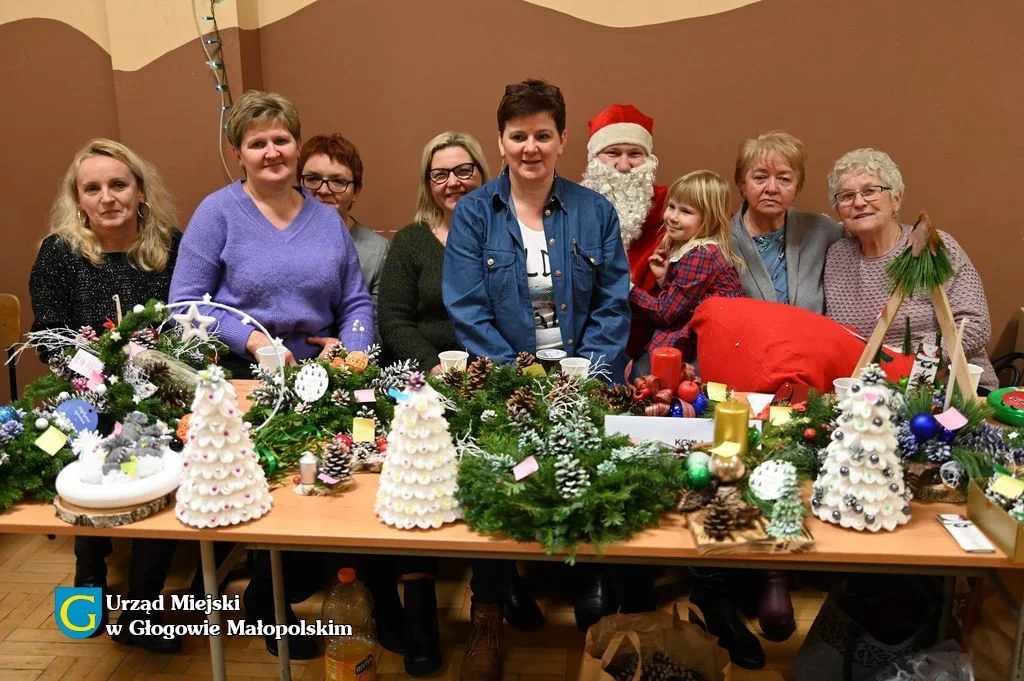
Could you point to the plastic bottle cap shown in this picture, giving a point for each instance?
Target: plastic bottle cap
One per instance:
(346, 575)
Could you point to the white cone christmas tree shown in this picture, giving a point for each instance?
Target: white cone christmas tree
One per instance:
(418, 479)
(861, 482)
(224, 484)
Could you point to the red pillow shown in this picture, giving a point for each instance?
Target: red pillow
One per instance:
(755, 346)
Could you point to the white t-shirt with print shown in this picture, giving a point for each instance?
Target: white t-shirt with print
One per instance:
(542, 294)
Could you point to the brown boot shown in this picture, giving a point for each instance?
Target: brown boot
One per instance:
(485, 649)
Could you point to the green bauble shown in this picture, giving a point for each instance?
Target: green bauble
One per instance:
(698, 477)
(753, 437)
(903, 383)
(697, 459)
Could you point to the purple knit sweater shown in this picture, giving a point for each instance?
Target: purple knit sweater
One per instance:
(300, 281)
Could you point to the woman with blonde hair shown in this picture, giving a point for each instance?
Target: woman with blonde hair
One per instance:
(112, 231)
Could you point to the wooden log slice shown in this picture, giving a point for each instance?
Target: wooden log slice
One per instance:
(108, 517)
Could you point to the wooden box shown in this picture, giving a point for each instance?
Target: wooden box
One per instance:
(996, 523)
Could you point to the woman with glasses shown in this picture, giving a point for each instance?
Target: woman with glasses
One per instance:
(533, 261)
(331, 170)
(866, 190)
(263, 246)
(112, 231)
(783, 247)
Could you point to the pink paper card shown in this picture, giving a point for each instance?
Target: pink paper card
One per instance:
(951, 419)
(134, 349)
(365, 395)
(526, 467)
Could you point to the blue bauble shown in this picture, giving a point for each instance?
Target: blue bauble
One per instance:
(924, 427)
(676, 409)
(700, 404)
(8, 413)
(948, 435)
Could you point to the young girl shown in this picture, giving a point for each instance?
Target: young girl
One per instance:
(693, 262)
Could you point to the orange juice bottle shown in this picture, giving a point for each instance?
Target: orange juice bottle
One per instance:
(350, 658)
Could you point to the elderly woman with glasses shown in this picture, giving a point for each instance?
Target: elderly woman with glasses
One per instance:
(866, 189)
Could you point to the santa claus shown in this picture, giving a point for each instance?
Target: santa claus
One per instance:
(621, 167)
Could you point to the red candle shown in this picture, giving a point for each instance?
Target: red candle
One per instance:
(667, 364)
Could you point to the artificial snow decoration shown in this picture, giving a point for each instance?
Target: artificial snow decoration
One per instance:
(418, 479)
(224, 483)
(861, 483)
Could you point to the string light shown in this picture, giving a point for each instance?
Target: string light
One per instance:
(215, 61)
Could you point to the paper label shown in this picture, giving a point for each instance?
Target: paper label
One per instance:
(327, 479)
(363, 430)
(534, 370)
(52, 440)
(951, 419)
(80, 413)
(86, 364)
(526, 467)
(778, 416)
(1008, 486)
(727, 449)
(717, 392)
(364, 395)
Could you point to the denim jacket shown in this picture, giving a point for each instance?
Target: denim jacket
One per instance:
(485, 286)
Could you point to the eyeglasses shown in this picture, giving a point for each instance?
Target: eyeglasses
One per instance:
(335, 184)
(872, 193)
(539, 88)
(463, 171)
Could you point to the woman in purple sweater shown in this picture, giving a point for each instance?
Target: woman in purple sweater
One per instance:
(265, 247)
(285, 259)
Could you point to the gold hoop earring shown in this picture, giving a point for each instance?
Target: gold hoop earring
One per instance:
(82, 217)
(149, 211)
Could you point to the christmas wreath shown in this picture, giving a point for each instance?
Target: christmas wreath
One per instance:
(536, 465)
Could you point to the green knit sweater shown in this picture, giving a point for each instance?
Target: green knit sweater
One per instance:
(413, 321)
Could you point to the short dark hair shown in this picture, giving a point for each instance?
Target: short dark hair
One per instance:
(339, 150)
(531, 96)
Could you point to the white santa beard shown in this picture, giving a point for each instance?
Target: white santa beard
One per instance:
(631, 193)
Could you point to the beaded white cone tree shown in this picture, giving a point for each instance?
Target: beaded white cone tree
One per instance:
(418, 480)
(861, 482)
(224, 483)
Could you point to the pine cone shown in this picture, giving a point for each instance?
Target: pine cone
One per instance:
(453, 378)
(337, 461)
(520, 405)
(525, 359)
(695, 499)
(59, 365)
(911, 479)
(339, 397)
(337, 350)
(145, 337)
(619, 398)
(479, 369)
(719, 519)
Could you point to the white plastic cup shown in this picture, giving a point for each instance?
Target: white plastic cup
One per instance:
(271, 357)
(453, 359)
(975, 371)
(842, 386)
(575, 366)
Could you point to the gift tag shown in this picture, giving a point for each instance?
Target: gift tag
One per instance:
(363, 430)
(311, 383)
(527, 466)
(86, 364)
(80, 413)
(364, 395)
(52, 440)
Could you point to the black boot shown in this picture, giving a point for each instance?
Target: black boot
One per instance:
(597, 600)
(91, 570)
(637, 585)
(387, 609)
(150, 562)
(259, 605)
(709, 595)
(422, 635)
(521, 610)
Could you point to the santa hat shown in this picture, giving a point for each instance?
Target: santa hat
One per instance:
(620, 124)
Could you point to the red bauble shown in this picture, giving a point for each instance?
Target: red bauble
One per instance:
(343, 439)
(382, 444)
(296, 479)
(688, 391)
(810, 434)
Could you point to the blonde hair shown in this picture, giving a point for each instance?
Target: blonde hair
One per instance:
(256, 106)
(427, 210)
(870, 162)
(778, 142)
(156, 226)
(708, 193)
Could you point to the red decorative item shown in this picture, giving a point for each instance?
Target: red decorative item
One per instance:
(646, 386)
(658, 409)
(343, 439)
(664, 396)
(667, 365)
(810, 434)
(688, 411)
(1014, 400)
(688, 391)
(382, 444)
(296, 479)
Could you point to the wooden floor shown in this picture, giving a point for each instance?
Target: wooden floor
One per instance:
(32, 648)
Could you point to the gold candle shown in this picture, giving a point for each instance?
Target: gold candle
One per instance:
(731, 423)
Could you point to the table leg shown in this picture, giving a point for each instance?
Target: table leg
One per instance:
(210, 585)
(1017, 667)
(280, 614)
(946, 614)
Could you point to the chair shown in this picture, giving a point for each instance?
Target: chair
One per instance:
(10, 333)
(1006, 367)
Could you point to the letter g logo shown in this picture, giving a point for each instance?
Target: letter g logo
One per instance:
(77, 610)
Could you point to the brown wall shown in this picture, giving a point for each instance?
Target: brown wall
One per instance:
(937, 89)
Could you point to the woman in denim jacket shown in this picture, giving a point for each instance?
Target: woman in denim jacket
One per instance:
(533, 262)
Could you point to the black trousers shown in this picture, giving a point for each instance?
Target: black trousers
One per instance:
(147, 571)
